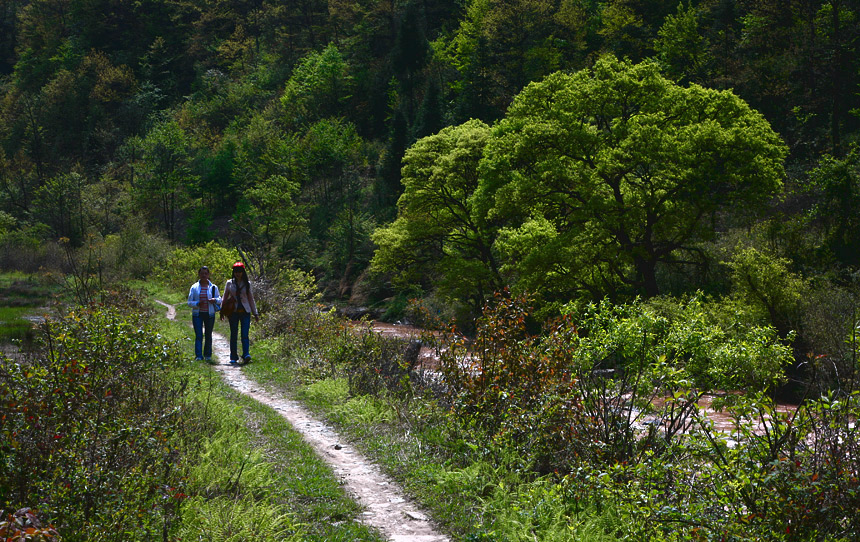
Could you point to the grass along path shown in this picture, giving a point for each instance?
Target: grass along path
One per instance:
(387, 508)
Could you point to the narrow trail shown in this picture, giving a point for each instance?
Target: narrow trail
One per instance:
(387, 508)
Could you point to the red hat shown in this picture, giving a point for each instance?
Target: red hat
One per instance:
(238, 264)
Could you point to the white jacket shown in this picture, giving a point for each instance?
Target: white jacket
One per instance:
(194, 298)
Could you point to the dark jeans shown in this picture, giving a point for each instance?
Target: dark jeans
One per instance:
(203, 323)
(245, 319)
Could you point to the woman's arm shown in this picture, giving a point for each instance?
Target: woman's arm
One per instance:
(252, 302)
(193, 297)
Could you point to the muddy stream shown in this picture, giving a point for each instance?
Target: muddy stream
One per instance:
(723, 423)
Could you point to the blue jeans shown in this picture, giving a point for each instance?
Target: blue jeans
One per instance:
(203, 322)
(235, 319)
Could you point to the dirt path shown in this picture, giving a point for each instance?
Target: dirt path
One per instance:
(387, 508)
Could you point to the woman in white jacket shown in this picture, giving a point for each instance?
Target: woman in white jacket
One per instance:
(239, 288)
(203, 298)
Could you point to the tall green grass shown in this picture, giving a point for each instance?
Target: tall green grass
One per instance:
(475, 496)
(22, 296)
(254, 477)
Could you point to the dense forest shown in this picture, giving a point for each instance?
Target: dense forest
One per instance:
(625, 207)
(441, 151)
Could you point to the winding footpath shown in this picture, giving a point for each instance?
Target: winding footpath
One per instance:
(387, 508)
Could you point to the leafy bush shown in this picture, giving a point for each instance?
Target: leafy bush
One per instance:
(716, 346)
(25, 525)
(782, 476)
(88, 424)
(587, 393)
(375, 364)
(180, 268)
(134, 253)
(326, 345)
(25, 249)
(515, 386)
(830, 327)
(765, 283)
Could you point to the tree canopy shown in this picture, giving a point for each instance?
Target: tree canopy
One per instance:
(589, 183)
(435, 235)
(594, 179)
(329, 96)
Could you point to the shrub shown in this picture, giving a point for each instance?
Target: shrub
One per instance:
(24, 524)
(179, 270)
(784, 476)
(830, 327)
(716, 346)
(581, 393)
(765, 283)
(134, 253)
(515, 386)
(88, 422)
(25, 250)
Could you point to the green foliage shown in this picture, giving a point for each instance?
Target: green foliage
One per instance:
(681, 47)
(179, 269)
(374, 364)
(764, 283)
(164, 174)
(228, 468)
(95, 93)
(499, 47)
(335, 193)
(318, 88)
(782, 477)
(835, 183)
(133, 253)
(59, 204)
(435, 232)
(602, 175)
(23, 249)
(715, 346)
(88, 424)
(199, 227)
(271, 220)
(225, 518)
(581, 393)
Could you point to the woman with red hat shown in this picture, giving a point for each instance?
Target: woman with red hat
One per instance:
(239, 288)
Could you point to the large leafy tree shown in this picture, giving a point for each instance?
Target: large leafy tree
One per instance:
(435, 235)
(596, 179)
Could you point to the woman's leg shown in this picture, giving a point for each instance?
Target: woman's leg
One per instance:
(197, 322)
(234, 326)
(208, 324)
(246, 342)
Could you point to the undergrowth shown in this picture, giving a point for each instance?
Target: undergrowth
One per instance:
(110, 433)
(590, 430)
(255, 478)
